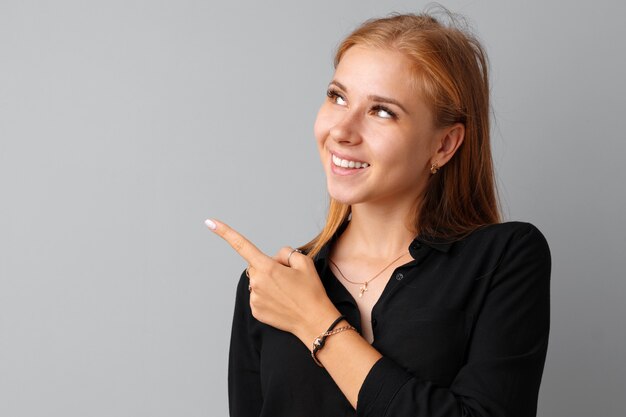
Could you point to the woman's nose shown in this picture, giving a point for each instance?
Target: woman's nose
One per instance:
(347, 129)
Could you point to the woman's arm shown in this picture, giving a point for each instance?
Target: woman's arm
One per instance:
(347, 357)
(244, 383)
(505, 360)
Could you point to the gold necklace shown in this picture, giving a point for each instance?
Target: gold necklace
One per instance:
(364, 283)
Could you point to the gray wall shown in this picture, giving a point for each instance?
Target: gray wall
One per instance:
(124, 124)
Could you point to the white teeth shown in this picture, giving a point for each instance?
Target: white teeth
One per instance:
(345, 163)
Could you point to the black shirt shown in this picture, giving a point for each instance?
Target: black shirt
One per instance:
(463, 330)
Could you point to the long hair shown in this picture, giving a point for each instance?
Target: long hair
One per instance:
(450, 69)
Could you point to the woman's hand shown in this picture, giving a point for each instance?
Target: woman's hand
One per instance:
(285, 291)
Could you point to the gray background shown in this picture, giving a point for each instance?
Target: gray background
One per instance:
(124, 124)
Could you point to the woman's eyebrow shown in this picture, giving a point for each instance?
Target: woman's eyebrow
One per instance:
(372, 97)
(387, 100)
(338, 84)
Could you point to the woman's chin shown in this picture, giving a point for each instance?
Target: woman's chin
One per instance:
(345, 197)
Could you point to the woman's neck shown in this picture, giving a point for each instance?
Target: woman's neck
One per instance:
(376, 232)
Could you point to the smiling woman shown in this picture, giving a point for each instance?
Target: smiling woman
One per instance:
(374, 115)
(414, 299)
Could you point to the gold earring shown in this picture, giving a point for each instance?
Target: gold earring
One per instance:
(434, 168)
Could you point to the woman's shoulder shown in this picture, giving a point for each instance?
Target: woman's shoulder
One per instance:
(506, 229)
(506, 236)
(509, 236)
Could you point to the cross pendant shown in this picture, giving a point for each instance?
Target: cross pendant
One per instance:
(363, 289)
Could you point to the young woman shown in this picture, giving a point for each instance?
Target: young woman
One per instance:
(414, 300)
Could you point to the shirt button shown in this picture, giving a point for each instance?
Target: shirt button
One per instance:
(374, 322)
(399, 276)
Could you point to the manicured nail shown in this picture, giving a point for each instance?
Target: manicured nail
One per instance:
(210, 224)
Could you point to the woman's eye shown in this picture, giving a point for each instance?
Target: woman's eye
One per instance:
(336, 98)
(383, 112)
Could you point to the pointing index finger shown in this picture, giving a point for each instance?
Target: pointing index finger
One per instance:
(243, 246)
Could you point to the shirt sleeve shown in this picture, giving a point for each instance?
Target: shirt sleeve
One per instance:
(506, 355)
(244, 384)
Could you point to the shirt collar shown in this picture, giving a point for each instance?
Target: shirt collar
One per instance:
(439, 244)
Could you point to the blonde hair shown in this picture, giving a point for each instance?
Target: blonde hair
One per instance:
(450, 69)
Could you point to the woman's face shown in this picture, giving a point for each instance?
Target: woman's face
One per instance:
(375, 134)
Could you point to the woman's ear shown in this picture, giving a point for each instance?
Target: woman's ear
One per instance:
(450, 139)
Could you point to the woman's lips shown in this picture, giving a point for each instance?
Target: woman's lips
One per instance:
(348, 163)
(343, 166)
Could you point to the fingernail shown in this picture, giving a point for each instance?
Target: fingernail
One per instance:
(210, 224)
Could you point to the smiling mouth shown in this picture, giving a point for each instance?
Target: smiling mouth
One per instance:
(346, 163)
